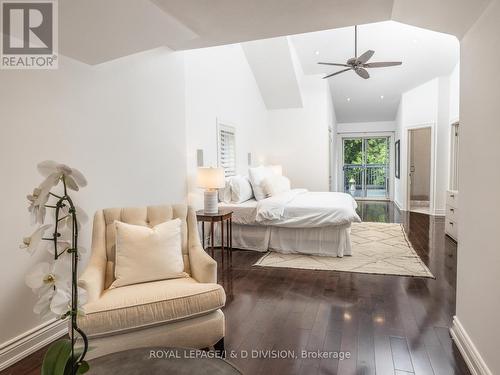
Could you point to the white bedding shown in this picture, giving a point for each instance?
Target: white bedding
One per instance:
(297, 208)
(243, 213)
(325, 241)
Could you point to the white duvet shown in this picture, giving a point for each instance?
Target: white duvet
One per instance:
(299, 208)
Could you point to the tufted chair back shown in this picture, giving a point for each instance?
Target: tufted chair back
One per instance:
(103, 236)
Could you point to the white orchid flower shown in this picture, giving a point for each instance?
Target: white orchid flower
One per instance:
(45, 276)
(54, 172)
(56, 302)
(38, 199)
(61, 301)
(61, 247)
(81, 217)
(32, 242)
(42, 307)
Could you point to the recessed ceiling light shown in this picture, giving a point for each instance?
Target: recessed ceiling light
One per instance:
(348, 99)
(317, 52)
(381, 96)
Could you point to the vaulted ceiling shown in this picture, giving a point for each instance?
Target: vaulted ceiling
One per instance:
(425, 55)
(95, 31)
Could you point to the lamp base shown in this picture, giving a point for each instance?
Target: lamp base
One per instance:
(210, 202)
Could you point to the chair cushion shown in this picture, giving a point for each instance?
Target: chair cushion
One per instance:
(141, 305)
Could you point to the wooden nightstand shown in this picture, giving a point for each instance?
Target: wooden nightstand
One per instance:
(222, 217)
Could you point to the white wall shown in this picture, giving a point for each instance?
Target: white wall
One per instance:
(455, 94)
(331, 120)
(120, 123)
(478, 282)
(300, 137)
(220, 85)
(366, 127)
(417, 107)
(427, 105)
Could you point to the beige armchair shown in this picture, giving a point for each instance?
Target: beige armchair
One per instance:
(182, 312)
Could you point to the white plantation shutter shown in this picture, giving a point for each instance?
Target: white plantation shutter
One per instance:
(227, 150)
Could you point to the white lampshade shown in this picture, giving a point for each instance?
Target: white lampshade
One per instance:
(277, 169)
(211, 178)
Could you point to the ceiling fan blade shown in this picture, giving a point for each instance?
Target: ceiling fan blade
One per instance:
(381, 64)
(334, 64)
(365, 56)
(334, 74)
(363, 73)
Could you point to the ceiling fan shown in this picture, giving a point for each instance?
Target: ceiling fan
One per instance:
(360, 63)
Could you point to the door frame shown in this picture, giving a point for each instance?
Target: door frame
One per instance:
(432, 189)
(340, 160)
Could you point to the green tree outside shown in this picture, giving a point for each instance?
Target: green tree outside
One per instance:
(376, 152)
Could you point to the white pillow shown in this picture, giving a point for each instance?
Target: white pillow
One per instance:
(241, 190)
(225, 193)
(147, 254)
(257, 176)
(276, 184)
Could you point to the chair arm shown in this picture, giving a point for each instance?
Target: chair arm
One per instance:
(92, 279)
(203, 267)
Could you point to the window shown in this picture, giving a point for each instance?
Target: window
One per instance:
(454, 156)
(226, 149)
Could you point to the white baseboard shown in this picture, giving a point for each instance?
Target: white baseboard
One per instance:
(29, 342)
(471, 355)
(439, 212)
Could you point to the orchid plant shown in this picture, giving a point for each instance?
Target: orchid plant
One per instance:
(55, 283)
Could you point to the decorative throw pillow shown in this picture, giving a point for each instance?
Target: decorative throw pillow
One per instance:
(257, 176)
(225, 192)
(147, 254)
(241, 190)
(276, 184)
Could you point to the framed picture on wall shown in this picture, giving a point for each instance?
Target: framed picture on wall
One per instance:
(397, 158)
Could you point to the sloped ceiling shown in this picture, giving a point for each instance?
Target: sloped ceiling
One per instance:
(231, 21)
(425, 55)
(272, 66)
(95, 31)
(453, 17)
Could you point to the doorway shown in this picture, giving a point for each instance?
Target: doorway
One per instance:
(365, 167)
(419, 169)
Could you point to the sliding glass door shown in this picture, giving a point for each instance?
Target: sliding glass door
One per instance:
(366, 167)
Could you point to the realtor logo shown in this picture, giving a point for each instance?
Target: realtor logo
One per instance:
(29, 34)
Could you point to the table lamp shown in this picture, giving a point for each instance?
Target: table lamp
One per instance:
(211, 179)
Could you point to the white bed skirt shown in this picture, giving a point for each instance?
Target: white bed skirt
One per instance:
(325, 241)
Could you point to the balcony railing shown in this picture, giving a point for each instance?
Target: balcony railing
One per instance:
(370, 180)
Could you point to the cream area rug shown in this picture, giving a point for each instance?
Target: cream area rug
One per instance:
(378, 248)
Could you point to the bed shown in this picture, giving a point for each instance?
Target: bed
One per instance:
(295, 221)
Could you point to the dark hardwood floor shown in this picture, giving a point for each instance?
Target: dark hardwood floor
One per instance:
(388, 324)
(383, 324)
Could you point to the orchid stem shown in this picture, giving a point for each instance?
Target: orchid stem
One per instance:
(55, 195)
(50, 206)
